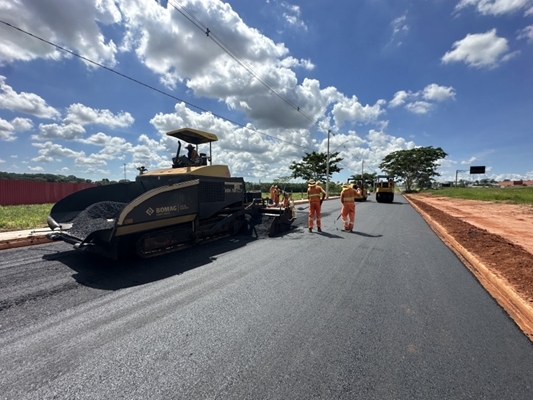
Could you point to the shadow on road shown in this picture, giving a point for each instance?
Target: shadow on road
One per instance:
(328, 235)
(366, 234)
(105, 274)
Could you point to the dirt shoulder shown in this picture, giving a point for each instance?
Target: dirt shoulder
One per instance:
(513, 222)
(495, 241)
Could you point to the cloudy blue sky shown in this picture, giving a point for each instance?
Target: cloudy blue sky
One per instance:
(89, 87)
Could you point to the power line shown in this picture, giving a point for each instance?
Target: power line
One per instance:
(210, 34)
(147, 85)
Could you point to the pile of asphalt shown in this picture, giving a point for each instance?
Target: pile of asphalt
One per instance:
(98, 216)
(262, 227)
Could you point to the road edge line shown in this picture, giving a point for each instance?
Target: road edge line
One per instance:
(515, 306)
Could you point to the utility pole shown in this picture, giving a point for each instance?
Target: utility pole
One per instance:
(124, 171)
(327, 169)
(457, 172)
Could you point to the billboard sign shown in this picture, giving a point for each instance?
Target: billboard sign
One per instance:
(477, 170)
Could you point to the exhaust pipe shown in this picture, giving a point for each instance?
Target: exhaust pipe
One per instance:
(52, 224)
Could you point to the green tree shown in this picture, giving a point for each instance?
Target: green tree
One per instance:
(417, 165)
(367, 177)
(314, 166)
(425, 182)
(104, 181)
(282, 180)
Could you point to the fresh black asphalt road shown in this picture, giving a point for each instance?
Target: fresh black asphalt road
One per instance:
(386, 312)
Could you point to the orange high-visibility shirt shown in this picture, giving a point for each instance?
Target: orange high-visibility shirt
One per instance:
(348, 195)
(314, 193)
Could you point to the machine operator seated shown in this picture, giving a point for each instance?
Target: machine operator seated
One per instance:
(192, 155)
(191, 159)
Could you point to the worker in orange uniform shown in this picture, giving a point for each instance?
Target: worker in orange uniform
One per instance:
(316, 196)
(277, 193)
(272, 194)
(348, 206)
(286, 198)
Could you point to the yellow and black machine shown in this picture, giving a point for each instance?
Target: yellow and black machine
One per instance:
(164, 210)
(360, 187)
(384, 188)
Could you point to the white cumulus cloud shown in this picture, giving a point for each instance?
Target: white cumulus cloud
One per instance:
(292, 15)
(526, 33)
(28, 103)
(52, 20)
(419, 107)
(481, 50)
(83, 115)
(49, 152)
(438, 93)
(399, 28)
(56, 131)
(9, 129)
(469, 161)
(422, 101)
(495, 7)
(399, 98)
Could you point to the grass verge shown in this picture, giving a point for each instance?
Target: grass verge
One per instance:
(13, 218)
(513, 195)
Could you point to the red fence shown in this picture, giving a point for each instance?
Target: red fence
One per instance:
(13, 192)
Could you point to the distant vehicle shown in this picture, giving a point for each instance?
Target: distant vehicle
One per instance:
(384, 188)
(362, 192)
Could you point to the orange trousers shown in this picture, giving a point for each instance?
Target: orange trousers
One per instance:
(314, 211)
(348, 215)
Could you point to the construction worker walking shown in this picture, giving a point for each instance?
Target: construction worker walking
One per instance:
(348, 206)
(316, 196)
(277, 193)
(272, 194)
(286, 198)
